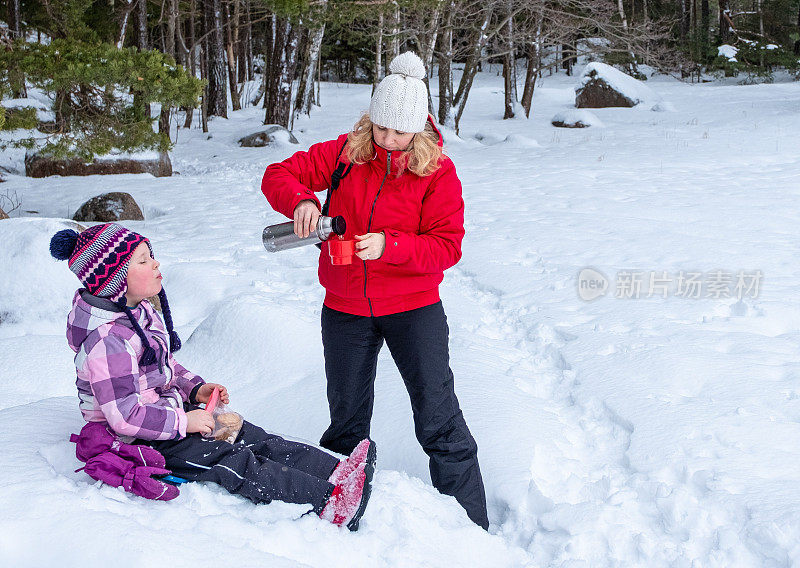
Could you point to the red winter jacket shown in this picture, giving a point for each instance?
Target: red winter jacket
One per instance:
(422, 218)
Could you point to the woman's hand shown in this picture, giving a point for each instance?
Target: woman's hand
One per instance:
(204, 392)
(199, 421)
(370, 246)
(306, 215)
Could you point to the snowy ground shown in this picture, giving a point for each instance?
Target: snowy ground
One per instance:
(644, 431)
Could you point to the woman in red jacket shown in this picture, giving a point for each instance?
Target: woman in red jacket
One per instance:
(401, 199)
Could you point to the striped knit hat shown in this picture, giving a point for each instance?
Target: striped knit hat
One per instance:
(99, 257)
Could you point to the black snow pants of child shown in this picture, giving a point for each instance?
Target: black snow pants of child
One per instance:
(418, 342)
(259, 466)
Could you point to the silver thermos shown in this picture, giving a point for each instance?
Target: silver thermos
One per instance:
(282, 237)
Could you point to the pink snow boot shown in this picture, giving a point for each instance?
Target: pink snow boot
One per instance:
(364, 452)
(349, 498)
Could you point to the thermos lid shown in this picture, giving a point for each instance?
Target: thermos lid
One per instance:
(338, 225)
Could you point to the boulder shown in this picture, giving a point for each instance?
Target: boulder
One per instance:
(273, 133)
(604, 86)
(109, 207)
(3, 214)
(575, 119)
(157, 164)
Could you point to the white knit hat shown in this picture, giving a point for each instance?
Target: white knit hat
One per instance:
(401, 99)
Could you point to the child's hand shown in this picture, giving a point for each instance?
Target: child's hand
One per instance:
(204, 392)
(199, 421)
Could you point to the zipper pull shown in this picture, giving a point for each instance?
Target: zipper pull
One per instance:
(388, 162)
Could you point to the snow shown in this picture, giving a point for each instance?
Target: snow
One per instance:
(644, 431)
(635, 90)
(727, 51)
(142, 155)
(36, 99)
(576, 116)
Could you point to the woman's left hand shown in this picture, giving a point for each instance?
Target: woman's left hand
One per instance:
(370, 246)
(204, 392)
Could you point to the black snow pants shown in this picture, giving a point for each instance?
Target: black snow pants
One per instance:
(259, 466)
(418, 342)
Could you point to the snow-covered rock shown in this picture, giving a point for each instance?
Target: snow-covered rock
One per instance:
(156, 163)
(575, 119)
(271, 134)
(602, 85)
(109, 207)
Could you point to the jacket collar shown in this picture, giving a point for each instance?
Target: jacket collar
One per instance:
(104, 310)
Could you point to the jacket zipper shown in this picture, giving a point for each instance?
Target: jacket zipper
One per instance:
(369, 224)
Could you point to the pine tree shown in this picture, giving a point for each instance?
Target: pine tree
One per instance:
(100, 93)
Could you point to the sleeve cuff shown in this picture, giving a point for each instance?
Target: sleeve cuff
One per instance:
(398, 247)
(193, 394)
(303, 194)
(183, 422)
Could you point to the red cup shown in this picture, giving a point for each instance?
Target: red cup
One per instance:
(341, 251)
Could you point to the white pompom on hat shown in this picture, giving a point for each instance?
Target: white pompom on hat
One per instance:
(401, 99)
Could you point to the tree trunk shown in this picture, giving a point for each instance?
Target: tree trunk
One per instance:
(312, 63)
(446, 116)
(215, 54)
(280, 90)
(169, 48)
(172, 17)
(797, 43)
(725, 30)
(428, 47)
(17, 78)
(508, 89)
(251, 74)
(240, 41)
(142, 39)
(623, 17)
(169, 44)
(705, 17)
(127, 8)
(62, 111)
(270, 43)
(192, 58)
(231, 25)
(204, 100)
(509, 77)
(304, 44)
(14, 19)
(378, 72)
(534, 65)
(685, 22)
(471, 67)
(394, 39)
(761, 31)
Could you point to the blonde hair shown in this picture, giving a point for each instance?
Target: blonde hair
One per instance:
(423, 156)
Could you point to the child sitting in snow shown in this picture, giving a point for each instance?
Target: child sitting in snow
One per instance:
(128, 379)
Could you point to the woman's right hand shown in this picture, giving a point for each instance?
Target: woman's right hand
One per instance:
(306, 215)
(199, 421)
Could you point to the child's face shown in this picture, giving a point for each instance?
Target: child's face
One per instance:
(144, 278)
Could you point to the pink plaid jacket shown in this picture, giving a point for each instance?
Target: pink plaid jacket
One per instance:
(136, 401)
